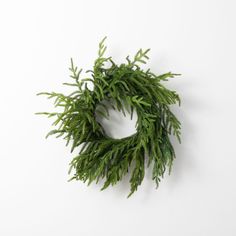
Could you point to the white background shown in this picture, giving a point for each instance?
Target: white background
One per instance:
(194, 38)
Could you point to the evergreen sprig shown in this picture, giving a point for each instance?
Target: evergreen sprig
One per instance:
(127, 87)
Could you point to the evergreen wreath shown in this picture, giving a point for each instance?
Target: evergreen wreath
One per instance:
(126, 87)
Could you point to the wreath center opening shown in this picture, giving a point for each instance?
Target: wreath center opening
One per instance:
(116, 124)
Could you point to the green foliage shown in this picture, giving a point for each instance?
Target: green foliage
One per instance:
(129, 88)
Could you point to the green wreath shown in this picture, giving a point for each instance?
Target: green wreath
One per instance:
(127, 88)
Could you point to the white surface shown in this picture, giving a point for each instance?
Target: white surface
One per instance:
(195, 38)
